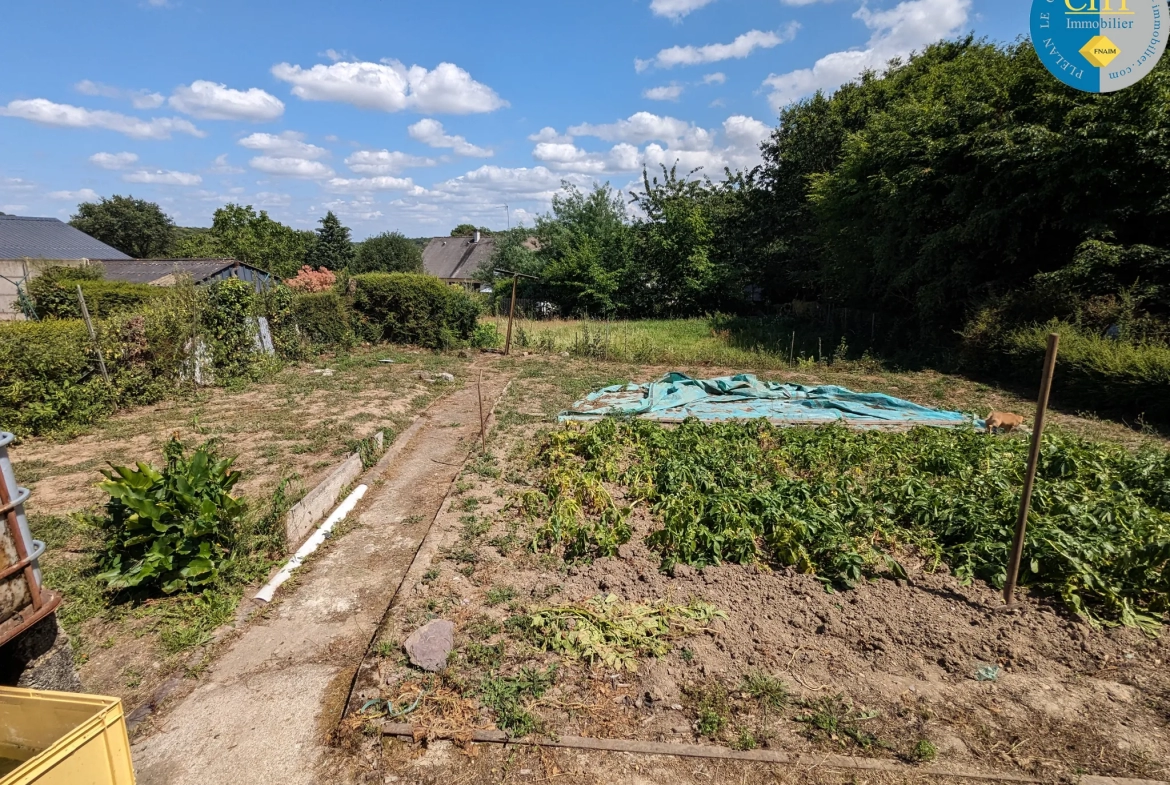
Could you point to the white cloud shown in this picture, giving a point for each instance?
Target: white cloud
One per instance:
(287, 144)
(13, 208)
(139, 99)
(804, 2)
(358, 184)
(670, 92)
(489, 183)
(392, 87)
(83, 195)
(382, 162)
(113, 160)
(361, 209)
(162, 177)
(677, 9)
(566, 157)
(45, 112)
(430, 132)
(646, 127)
(745, 133)
(212, 101)
(716, 78)
(16, 184)
(271, 199)
(289, 166)
(738, 49)
(222, 166)
(549, 134)
(897, 32)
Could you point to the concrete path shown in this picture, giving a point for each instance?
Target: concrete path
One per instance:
(263, 712)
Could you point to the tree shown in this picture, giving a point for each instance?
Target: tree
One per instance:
(389, 252)
(196, 244)
(134, 226)
(258, 240)
(332, 249)
(469, 230)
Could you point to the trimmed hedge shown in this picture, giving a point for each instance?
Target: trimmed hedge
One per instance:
(412, 308)
(1093, 373)
(56, 297)
(323, 319)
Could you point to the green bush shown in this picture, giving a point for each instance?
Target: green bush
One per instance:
(323, 319)
(55, 294)
(1093, 373)
(410, 308)
(228, 321)
(170, 530)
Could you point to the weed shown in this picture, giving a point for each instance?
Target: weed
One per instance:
(925, 751)
(486, 466)
(483, 627)
(506, 696)
(463, 486)
(468, 504)
(474, 528)
(482, 654)
(431, 575)
(835, 719)
(498, 595)
(687, 655)
(746, 740)
(767, 690)
(466, 570)
(386, 648)
(711, 708)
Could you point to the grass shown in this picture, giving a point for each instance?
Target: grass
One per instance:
(509, 698)
(498, 595)
(836, 719)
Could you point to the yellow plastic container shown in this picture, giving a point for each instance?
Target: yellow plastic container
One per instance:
(59, 738)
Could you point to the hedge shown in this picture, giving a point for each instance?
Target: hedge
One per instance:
(1093, 373)
(56, 297)
(412, 308)
(323, 318)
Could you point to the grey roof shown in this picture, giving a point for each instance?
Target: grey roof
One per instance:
(49, 238)
(155, 270)
(456, 258)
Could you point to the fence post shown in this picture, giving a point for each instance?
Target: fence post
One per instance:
(93, 335)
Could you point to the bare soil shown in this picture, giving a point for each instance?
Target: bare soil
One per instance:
(896, 663)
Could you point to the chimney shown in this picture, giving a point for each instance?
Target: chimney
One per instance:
(476, 240)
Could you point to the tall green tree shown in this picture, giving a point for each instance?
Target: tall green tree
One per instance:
(332, 249)
(469, 230)
(135, 227)
(256, 239)
(389, 252)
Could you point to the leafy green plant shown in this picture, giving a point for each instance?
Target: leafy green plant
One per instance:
(845, 505)
(836, 719)
(615, 633)
(229, 326)
(925, 751)
(170, 530)
(498, 595)
(508, 697)
(712, 708)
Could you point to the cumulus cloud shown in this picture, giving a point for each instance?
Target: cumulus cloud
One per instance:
(804, 2)
(567, 157)
(549, 134)
(430, 132)
(45, 112)
(738, 49)
(677, 9)
(291, 166)
(222, 166)
(113, 160)
(357, 184)
(287, 144)
(670, 92)
(212, 101)
(383, 162)
(162, 177)
(139, 99)
(646, 127)
(716, 78)
(390, 86)
(897, 32)
(537, 183)
(83, 195)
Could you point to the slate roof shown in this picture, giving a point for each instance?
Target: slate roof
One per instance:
(456, 258)
(161, 270)
(49, 238)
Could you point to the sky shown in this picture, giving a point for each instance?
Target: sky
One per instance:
(418, 116)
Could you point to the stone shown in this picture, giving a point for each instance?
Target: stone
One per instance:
(429, 645)
(446, 377)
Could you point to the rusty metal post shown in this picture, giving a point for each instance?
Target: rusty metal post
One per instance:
(511, 314)
(1009, 587)
(479, 396)
(92, 334)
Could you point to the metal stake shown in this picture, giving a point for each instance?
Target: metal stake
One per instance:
(1009, 587)
(92, 335)
(479, 395)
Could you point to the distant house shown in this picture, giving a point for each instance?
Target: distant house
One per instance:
(29, 245)
(163, 272)
(455, 259)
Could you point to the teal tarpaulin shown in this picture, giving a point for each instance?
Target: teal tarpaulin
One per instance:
(676, 396)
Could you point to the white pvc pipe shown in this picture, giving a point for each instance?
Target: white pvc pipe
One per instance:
(312, 544)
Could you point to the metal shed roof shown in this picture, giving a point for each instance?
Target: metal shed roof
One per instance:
(161, 271)
(456, 258)
(49, 238)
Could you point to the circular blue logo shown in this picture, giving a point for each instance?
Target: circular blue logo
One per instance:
(1099, 46)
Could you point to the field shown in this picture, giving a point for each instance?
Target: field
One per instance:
(286, 430)
(576, 615)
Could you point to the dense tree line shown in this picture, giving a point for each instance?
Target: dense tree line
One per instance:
(964, 179)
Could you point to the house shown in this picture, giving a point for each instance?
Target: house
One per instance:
(455, 259)
(30, 245)
(163, 272)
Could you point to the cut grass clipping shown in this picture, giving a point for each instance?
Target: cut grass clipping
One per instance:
(614, 633)
(844, 505)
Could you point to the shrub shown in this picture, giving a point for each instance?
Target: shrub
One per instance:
(410, 308)
(323, 319)
(229, 326)
(170, 530)
(486, 336)
(306, 280)
(54, 293)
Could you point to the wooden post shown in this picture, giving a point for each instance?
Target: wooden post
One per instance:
(511, 314)
(92, 335)
(792, 350)
(1009, 587)
(479, 395)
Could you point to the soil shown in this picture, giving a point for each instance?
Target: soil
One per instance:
(903, 659)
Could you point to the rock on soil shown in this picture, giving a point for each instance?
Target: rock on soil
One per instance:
(429, 645)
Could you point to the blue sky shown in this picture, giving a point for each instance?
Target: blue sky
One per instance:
(417, 116)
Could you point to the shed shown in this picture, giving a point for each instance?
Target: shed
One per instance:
(455, 259)
(163, 272)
